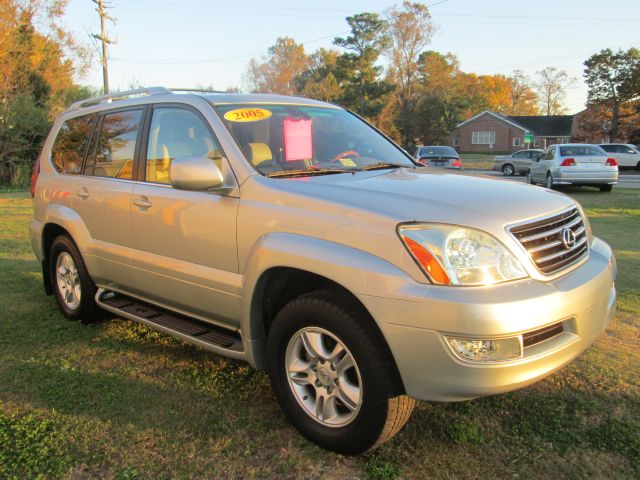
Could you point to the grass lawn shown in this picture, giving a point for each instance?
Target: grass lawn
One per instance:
(118, 400)
(477, 161)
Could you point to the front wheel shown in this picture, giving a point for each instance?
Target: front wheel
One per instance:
(333, 375)
(550, 181)
(530, 178)
(508, 170)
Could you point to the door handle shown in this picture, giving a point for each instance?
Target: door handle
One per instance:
(142, 202)
(83, 193)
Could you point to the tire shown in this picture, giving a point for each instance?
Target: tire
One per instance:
(550, 185)
(638, 166)
(379, 408)
(605, 188)
(67, 269)
(508, 170)
(530, 178)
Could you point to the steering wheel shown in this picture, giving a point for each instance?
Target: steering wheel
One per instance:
(346, 153)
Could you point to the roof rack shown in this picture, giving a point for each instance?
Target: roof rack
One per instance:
(110, 97)
(139, 92)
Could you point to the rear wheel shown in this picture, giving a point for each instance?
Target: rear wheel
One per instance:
(73, 287)
(605, 188)
(508, 170)
(550, 185)
(333, 375)
(530, 178)
(638, 166)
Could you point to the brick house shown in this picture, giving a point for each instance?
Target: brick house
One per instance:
(490, 132)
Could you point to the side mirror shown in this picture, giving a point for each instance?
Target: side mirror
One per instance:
(195, 173)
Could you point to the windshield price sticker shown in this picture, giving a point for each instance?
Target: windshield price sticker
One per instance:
(247, 115)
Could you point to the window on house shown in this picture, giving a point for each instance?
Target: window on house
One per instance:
(564, 140)
(456, 141)
(483, 138)
(536, 142)
(516, 141)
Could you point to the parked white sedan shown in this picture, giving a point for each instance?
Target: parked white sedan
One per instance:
(627, 155)
(575, 164)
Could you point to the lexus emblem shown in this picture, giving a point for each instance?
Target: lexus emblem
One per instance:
(568, 238)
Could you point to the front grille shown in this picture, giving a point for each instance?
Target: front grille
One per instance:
(543, 239)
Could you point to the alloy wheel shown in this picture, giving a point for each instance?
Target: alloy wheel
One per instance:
(324, 377)
(68, 280)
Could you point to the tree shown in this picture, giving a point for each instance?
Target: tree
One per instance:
(319, 81)
(358, 73)
(613, 80)
(38, 60)
(552, 89)
(411, 30)
(286, 60)
(523, 99)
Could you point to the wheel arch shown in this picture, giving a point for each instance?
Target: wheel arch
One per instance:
(279, 272)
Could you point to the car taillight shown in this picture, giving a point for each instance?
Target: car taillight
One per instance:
(611, 162)
(568, 162)
(424, 161)
(34, 177)
(456, 163)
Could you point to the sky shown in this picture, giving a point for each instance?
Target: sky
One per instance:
(189, 43)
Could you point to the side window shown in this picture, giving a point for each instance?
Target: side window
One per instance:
(176, 132)
(116, 145)
(520, 155)
(609, 148)
(68, 149)
(548, 154)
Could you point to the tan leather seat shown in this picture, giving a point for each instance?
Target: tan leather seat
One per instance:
(259, 153)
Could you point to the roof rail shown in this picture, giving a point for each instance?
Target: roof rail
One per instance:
(196, 90)
(110, 97)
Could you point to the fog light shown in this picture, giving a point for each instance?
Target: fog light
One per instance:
(486, 351)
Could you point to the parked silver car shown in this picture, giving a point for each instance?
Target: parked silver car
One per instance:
(627, 155)
(439, 156)
(516, 163)
(291, 234)
(575, 164)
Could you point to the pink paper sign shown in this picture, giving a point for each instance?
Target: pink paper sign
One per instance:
(298, 140)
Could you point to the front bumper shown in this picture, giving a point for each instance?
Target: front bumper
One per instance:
(415, 320)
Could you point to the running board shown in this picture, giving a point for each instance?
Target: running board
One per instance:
(197, 332)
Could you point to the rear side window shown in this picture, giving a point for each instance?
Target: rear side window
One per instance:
(116, 145)
(70, 144)
(580, 151)
(610, 148)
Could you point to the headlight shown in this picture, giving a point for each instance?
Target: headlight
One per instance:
(585, 221)
(453, 255)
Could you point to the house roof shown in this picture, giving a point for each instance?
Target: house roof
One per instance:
(498, 116)
(546, 125)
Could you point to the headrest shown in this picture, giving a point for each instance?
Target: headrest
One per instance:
(260, 152)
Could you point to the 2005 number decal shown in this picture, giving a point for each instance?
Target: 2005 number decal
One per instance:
(247, 115)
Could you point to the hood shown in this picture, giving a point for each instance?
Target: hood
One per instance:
(428, 196)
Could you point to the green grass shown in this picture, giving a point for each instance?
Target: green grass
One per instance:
(118, 400)
(477, 161)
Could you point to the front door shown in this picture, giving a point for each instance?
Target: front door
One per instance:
(185, 253)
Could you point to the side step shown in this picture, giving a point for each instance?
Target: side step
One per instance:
(202, 334)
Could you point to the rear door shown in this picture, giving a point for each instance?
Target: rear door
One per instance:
(540, 168)
(520, 161)
(627, 156)
(103, 195)
(185, 242)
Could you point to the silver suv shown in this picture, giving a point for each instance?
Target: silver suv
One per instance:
(293, 235)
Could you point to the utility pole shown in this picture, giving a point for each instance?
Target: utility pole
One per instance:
(101, 9)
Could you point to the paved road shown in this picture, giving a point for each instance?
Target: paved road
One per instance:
(627, 179)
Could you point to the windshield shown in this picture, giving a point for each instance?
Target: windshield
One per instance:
(277, 139)
(438, 152)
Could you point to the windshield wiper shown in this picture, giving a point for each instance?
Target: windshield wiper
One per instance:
(381, 165)
(303, 172)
